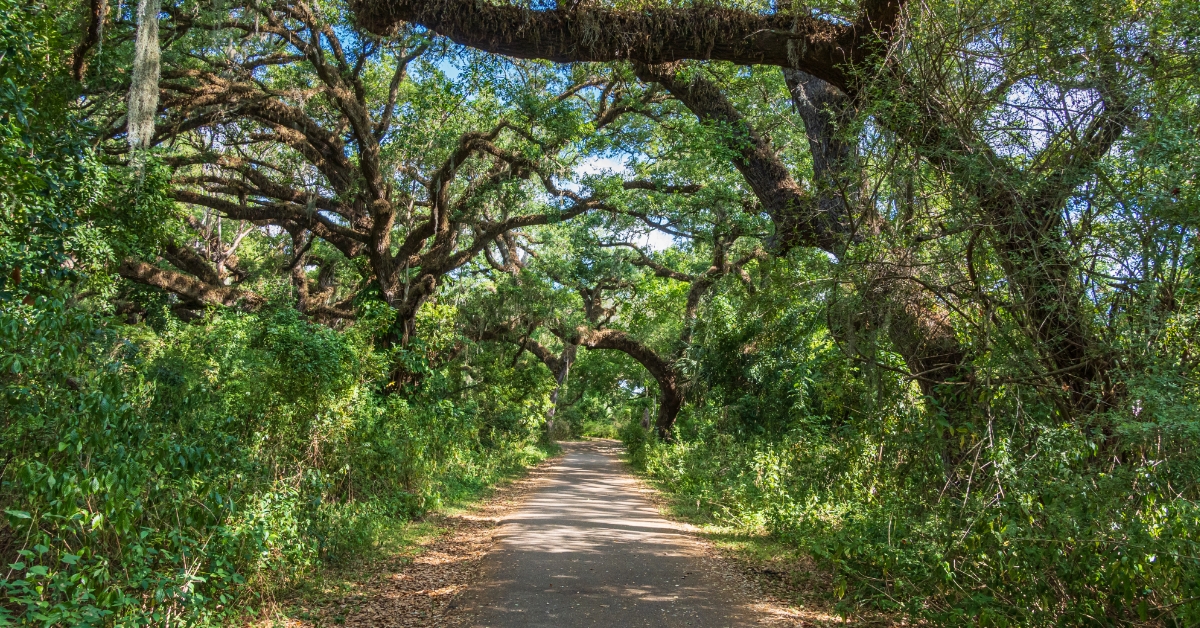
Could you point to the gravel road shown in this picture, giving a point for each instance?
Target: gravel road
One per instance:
(588, 549)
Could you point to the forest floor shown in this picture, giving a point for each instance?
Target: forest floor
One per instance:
(579, 541)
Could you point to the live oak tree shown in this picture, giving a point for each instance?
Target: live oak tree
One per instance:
(819, 58)
(592, 299)
(835, 70)
(853, 61)
(284, 127)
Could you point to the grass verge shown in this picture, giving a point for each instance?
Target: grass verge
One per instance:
(342, 593)
(783, 572)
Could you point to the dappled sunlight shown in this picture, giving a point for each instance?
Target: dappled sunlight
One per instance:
(588, 548)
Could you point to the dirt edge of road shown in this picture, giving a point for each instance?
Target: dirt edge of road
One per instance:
(784, 587)
(420, 589)
(423, 589)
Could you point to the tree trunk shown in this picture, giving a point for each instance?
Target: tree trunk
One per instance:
(586, 32)
(916, 323)
(662, 370)
(560, 380)
(1024, 209)
(670, 401)
(187, 286)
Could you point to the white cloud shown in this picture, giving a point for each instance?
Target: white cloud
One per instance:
(656, 241)
(601, 165)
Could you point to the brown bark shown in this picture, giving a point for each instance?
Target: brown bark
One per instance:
(97, 14)
(662, 370)
(1028, 237)
(316, 303)
(918, 326)
(892, 299)
(798, 218)
(511, 334)
(1026, 217)
(1024, 213)
(188, 260)
(188, 287)
(1026, 225)
(649, 35)
(826, 110)
(661, 367)
(354, 208)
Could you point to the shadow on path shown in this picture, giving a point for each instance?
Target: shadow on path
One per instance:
(588, 549)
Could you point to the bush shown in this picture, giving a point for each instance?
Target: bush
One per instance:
(638, 441)
(179, 474)
(1049, 534)
(598, 429)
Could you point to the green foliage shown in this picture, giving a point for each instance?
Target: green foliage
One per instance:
(173, 474)
(1062, 544)
(1054, 524)
(171, 462)
(638, 441)
(182, 473)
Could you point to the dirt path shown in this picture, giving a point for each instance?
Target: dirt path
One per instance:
(578, 542)
(416, 591)
(587, 548)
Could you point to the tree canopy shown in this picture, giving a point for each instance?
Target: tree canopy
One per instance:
(910, 286)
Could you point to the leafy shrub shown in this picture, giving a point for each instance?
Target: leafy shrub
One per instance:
(206, 463)
(1049, 531)
(638, 441)
(598, 429)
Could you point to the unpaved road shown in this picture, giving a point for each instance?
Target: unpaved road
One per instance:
(588, 549)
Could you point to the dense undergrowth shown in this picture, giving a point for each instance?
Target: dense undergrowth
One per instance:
(931, 320)
(1039, 523)
(179, 474)
(1063, 544)
(163, 472)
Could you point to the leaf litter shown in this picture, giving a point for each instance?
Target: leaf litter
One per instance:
(423, 588)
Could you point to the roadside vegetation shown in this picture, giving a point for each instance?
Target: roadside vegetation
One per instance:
(908, 289)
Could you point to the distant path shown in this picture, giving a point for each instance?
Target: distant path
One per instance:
(588, 549)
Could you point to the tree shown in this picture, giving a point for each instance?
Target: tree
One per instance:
(822, 47)
(1025, 208)
(588, 301)
(297, 131)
